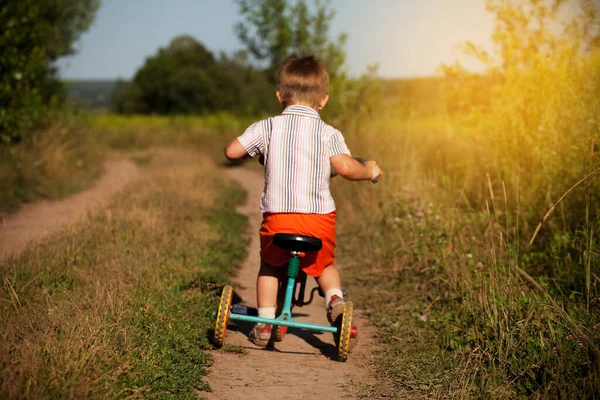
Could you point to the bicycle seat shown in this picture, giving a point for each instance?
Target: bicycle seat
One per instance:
(290, 241)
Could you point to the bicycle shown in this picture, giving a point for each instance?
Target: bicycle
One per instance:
(298, 246)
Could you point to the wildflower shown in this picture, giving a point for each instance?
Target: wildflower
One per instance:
(18, 76)
(597, 326)
(396, 219)
(579, 344)
(420, 214)
(437, 217)
(520, 325)
(479, 265)
(423, 318)
(570, 337)
(554, 350)
(469, 255)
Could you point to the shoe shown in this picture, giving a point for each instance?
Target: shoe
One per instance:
(260, 335)
(335, 309)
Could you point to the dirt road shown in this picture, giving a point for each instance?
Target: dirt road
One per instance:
(299, 367)
(36, 220)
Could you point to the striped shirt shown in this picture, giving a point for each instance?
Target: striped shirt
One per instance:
(297, 146)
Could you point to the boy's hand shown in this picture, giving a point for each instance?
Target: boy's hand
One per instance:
(374, 170)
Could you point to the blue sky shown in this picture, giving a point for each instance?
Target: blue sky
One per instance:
(405, 37)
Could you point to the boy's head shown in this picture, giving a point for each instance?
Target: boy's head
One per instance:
(304, 81)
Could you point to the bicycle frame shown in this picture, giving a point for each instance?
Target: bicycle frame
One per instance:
(285, 319)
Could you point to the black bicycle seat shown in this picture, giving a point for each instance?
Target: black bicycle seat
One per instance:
(290, 241)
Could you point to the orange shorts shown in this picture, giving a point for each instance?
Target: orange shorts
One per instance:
(321, 226)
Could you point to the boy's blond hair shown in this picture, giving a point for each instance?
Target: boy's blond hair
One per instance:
(302, 80)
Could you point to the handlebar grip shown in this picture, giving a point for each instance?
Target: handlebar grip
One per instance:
(363, 162)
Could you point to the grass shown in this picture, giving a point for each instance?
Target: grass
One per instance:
(120, 305)
(66, 157)
(52, 164)
(142, 132)
(445, 239)
(464, 306)
(456, 317)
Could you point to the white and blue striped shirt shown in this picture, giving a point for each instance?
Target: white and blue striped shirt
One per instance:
(297, 146)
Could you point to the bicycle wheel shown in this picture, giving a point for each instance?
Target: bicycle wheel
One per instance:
(223, 316)
(345, 332)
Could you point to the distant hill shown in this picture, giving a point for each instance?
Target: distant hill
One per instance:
(95, 94)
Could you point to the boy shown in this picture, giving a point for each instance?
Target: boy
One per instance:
(299, 151)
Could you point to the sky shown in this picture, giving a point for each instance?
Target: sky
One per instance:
(406, 38)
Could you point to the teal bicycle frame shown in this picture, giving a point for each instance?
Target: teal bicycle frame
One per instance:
(285, 319)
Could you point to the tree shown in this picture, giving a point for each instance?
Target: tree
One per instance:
(255, 93)
(272, 30)
(183, 78)
(35, 34)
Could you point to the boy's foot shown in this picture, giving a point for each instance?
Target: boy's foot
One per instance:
(335, 309)
(260, 335)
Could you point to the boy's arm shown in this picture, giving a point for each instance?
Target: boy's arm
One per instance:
(353, 170)
(235, 151)
(249, 144)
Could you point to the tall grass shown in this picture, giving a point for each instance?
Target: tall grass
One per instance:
(447, 237)
(62, 159)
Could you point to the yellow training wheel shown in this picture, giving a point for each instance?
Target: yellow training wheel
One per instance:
(223, 316)
(345, 332)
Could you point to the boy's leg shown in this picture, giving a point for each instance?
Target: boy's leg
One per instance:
(330, 283)
(267, 284)
(330, 279)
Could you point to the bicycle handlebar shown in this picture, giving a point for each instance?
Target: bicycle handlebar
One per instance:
(363, 162)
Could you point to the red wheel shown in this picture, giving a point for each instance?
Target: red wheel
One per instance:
(223, 316)
(280, 332)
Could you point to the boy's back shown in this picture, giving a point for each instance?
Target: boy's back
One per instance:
(297, 146)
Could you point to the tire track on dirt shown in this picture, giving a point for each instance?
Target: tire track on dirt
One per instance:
(299, 367)
(36, 220)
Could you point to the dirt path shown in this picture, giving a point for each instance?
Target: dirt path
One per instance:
(300, 367)
(38, 219)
